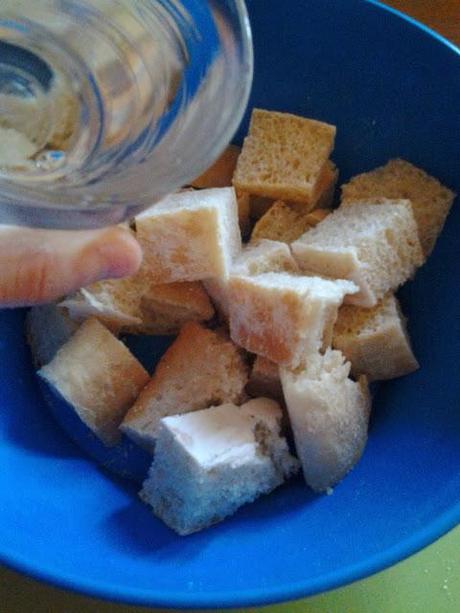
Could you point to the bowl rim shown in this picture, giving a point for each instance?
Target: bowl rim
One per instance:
(256, 597)
(253, 598)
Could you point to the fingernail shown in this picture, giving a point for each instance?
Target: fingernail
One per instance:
(116, 254)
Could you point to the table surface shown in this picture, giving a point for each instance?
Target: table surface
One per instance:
(428, 581)
(440, 15)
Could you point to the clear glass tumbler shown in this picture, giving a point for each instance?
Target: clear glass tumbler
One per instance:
(108, 105)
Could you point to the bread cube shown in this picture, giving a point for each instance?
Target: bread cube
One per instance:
(264, 256)
(167, 308)
(375, 340)
(48, 327)
(430, 200)
(115, 303)
(324, 198)
(135, 305)
(329, 415)
(98, 376)
(264, 380)
(283, 317)
(256, 258)
(200, 368)
(283, 157)
(190, 235)
(376, 247)
(286, 223)
(209, 463)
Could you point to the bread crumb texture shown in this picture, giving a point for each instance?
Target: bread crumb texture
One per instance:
(329, 415)
(431, 201)
(375, 340)
(283, 156)
(375, 246)
(201, 368)
(98, 376)
(209, 463)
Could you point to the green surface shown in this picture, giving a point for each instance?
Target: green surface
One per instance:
(428, 582)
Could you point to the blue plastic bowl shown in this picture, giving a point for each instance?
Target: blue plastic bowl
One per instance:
(393, 89)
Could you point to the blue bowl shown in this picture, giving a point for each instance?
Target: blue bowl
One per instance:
(393, 89)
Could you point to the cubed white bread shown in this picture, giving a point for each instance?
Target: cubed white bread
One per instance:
(115, 303)
(138, 306)
(430, 200)
(98, 376)
(324, 198)
(209, 463)
(284, 317)
(265, 380)
(329, 415)
(167, 308)
(284, 156)
(286, 223)
(375, 340)
(256, 258)
(376, 247)
(191, 235)
(263, 256)
(48, 327)
(202, 367)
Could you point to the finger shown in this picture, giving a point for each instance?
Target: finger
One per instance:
(39, 266)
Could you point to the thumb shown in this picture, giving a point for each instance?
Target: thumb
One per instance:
(39, 266)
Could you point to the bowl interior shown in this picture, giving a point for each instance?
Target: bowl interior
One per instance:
(392, 89)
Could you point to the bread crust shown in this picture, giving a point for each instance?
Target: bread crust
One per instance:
(98, 376)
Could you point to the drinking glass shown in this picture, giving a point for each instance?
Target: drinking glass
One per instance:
(108, 105)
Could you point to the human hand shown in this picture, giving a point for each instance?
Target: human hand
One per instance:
(39, 266)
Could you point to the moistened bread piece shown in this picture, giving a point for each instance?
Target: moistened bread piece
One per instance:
(115, 303)
(265, 380)
(209, 463)
(283, 317)
(170, 306)
(202, 367)
(375, 340)
(377, 247)
(256, 258)
(430, 200)
(98, 376)
(286, 223)
(264, 256)
(329, 415)
(48, 327)
(284, 156)
(138, 306)
(190, 235)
